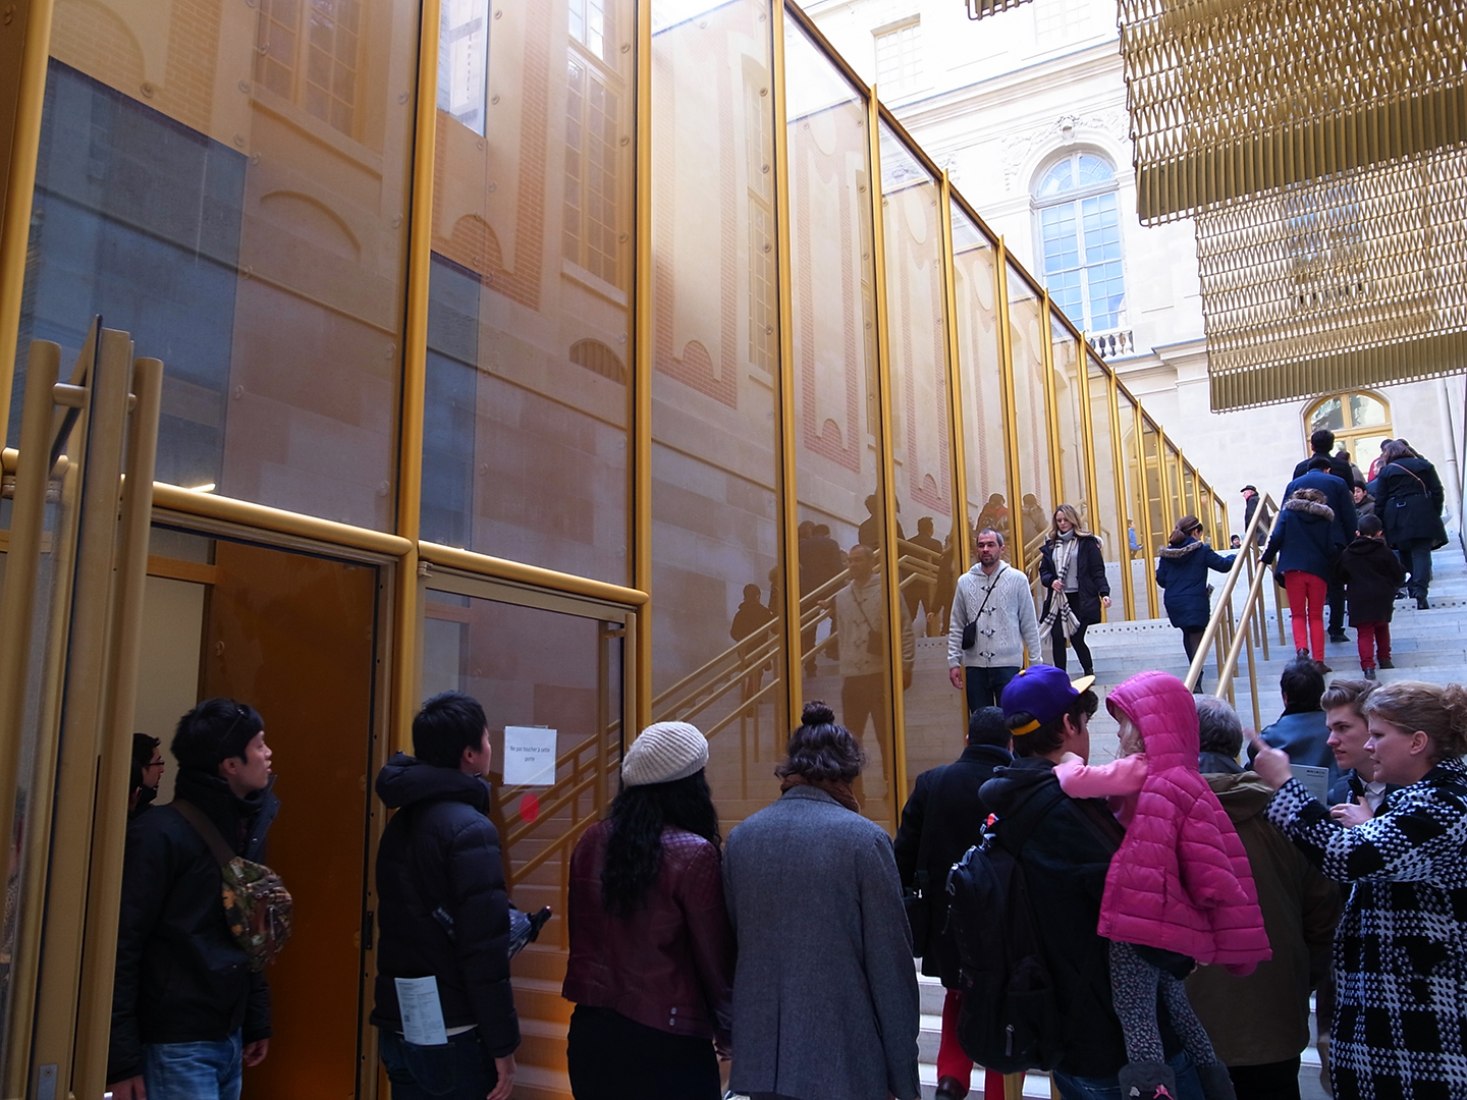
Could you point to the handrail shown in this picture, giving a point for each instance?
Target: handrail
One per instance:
(1233, 631)
(697, 691)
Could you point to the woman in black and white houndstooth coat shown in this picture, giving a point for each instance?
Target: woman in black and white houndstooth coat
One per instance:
(1400, 954)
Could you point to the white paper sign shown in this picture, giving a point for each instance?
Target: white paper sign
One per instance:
(529, 756)
(422, 1014)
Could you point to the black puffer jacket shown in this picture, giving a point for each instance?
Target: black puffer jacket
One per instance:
(1065, 862)
(439, 851)
(1089, 572)
(180, 976)
(1408, 500)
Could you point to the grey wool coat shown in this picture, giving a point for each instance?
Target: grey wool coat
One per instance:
(825, 993)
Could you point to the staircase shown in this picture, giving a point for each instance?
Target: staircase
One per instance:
(1426, 645)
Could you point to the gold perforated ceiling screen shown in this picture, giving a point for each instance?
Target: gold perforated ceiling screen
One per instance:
(977, 9)
(1320, 148)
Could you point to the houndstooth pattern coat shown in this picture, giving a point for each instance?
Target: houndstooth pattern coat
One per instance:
(1400, 954)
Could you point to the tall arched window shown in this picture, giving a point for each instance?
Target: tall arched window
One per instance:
(1080, 239)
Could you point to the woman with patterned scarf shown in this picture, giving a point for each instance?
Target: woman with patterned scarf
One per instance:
(1072, 573)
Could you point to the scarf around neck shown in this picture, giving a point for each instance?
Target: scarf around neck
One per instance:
(838, 789)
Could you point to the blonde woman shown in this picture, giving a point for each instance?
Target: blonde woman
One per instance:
(1400, 955)
(1072, 573)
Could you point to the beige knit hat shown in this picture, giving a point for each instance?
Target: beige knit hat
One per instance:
(665, 751)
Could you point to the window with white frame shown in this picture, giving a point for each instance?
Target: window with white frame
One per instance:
(463, 61)
(898, 58)
(308, 51)
(1078, 222)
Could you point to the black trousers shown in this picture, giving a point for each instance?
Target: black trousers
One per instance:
(613, 1058)
(1271, 1081)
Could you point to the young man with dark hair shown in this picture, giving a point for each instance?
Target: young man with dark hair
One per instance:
(144, 775)
(444, 1007)
(942, 820)
(1300, 731)
(188, 1014)
(1065, 861)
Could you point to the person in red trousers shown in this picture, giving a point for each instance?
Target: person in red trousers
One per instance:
(1371, 573)
(1305, 543)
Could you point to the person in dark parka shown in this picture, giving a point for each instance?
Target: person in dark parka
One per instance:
(1371, 575)
(1408, 500)
(942, 820)
(1304, 542)
(1339, 494)
(1181, 572)
(443, 909)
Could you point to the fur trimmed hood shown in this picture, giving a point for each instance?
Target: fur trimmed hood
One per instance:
(1312, 508)
(1174, 553)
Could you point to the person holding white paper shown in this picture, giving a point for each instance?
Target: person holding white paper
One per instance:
(444, 1005)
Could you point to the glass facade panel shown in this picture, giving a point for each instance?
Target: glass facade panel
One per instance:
(718, 623)
(1069, 409)
(229, 184)
(980, 366)
(837, 422)
(1108, 521)
(525, 452)
(554, 673)
(1161, 508)
(921, 434)
(1031, 429)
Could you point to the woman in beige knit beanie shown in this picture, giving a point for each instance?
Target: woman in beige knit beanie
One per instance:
(651, 950)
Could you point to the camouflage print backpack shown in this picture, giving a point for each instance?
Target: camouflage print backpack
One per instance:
(257, 906)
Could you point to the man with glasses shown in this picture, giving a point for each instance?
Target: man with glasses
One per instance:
(994, 600)
(188, 1012)
(144, 775)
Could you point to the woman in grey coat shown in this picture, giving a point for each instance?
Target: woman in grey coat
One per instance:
(825, 993)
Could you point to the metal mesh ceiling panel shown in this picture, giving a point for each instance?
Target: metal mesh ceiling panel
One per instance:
(977, 9)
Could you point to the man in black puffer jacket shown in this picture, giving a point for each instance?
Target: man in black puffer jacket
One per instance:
(187, 1011)
(444, 913)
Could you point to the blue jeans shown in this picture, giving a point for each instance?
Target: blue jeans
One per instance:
(985, 685)
(460, 1069)
(1108, 1088)
(194, 1071)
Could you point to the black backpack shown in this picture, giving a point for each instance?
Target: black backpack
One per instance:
(1010, 1019)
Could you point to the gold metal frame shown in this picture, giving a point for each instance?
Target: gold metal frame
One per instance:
(1011, 412)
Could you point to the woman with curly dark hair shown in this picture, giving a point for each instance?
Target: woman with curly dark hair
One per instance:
(651, 952)
(825, 994)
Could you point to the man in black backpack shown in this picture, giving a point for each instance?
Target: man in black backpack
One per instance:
(1065, 859)
(942, 820)
(188, 1013)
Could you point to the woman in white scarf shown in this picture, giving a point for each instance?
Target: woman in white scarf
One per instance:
(1072, 573)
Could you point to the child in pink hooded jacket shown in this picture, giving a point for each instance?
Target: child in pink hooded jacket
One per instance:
(1179, 885)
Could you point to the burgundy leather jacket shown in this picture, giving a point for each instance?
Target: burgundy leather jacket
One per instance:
(670, 965)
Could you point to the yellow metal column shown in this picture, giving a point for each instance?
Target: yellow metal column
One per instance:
(33, 27)
(1118, 464)
(788, 482)
(641, 396)
(1011, 413)
(1143, 489)
(891, 569)
(954, 370)
(1051, 413)
(406, 650)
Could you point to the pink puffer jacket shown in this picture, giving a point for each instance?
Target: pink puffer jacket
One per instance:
(1181, 879)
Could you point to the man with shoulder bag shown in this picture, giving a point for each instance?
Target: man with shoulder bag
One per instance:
(190, 1004)
(991, 624)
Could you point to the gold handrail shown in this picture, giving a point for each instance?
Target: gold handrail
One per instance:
(1231, 632)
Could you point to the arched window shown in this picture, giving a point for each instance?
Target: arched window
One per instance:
(1080, 239)
(1359, 420)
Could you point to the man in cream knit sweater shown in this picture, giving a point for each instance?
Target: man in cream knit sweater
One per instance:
(995, 596)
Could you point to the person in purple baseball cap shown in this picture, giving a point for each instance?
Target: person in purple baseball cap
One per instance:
(1066, 856)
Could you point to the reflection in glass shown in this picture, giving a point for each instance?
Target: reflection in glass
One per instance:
(921, 411)
(525, 444)
(1068, 399)
(1031, 429)
(236, 198)
(837, 425)
(718, 620)
(981, 374)
(534, 667)
(1109, 523)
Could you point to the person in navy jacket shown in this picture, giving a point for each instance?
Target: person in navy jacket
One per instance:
(1305, 541)
(1182, 572)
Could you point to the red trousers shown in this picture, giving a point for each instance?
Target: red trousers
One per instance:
(1373, 640)
(1306, 610)
(951, 1061)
